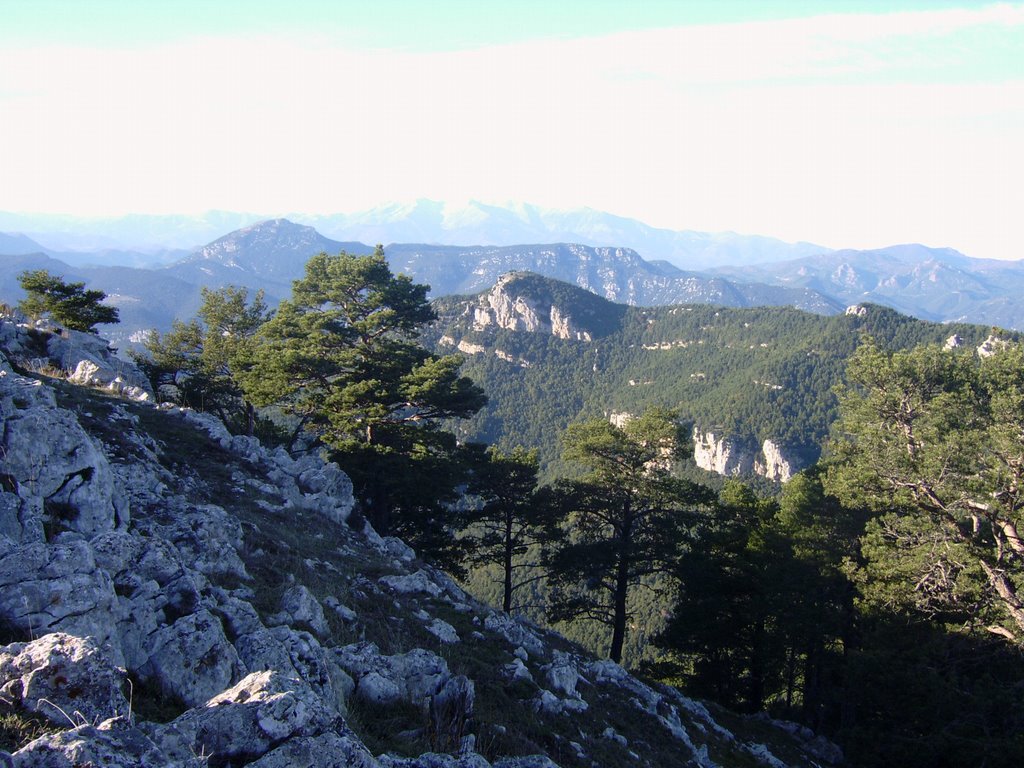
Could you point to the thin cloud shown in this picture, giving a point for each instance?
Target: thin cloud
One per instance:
(901, 126)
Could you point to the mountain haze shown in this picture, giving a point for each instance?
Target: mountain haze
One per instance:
(476, 223)
(421, 221)
(935, 284)
(938, 284)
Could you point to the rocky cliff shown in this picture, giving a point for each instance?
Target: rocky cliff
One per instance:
(512, 305)
(726, 456)
(173, 595)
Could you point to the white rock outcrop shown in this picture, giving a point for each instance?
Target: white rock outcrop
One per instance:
(503, 308)
(63, 677)
(773, 463)
(991, 346)
(89, 360)
(721, 455)
(724, 456)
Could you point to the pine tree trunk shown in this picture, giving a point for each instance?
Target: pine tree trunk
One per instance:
(506, 604)
(620, 595)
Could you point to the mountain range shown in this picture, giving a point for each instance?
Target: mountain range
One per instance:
(934, 284)
(270, 254)
(149, 237)
(937, 284)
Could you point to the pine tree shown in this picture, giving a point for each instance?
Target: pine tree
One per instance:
(342, 355)
(628, 517)
(203, 356)
(70, 304)
(933, 441)
(511, 516)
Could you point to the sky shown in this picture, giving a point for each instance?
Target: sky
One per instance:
(848, 123)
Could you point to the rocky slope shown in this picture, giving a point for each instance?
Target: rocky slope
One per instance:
(172, 595)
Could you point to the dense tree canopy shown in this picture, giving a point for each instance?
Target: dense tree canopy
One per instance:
(70, 304)
(933, 440)
(763, 616)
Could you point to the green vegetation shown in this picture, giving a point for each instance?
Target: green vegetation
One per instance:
(934, 443)
(627, 517)
(69, 304)
(877, 599)
(18, 727)
(202, 357)
(763, 610)
(874, 599)
(341, 355)
(507, 515)
(753, 374)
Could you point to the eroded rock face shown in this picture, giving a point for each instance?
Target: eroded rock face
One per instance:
(192, 659)
(725, 456)
(300, 608)
(247, 720)
(415, 676)
(90, 361)
(83, 358)
(62, 676)
(341, 749)
(114, 743)
(773, 464)
(505, 309)
(562, 674)
(991, 346)
(306, 483)
(153, 588)
(721, 455)
(52, 464)
(58, 588)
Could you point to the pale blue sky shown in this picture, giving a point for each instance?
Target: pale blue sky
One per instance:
(849, 123)
(404, 24)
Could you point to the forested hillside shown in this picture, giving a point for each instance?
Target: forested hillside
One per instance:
(754, 374)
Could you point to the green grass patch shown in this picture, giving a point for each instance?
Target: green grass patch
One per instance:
(18, 727)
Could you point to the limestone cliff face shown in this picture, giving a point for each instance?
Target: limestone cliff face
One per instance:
(229, 581)
(504, 307)
(774, 464)
(721, 455)
(726, 456)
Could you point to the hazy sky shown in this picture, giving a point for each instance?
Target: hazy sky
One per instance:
(850, 124)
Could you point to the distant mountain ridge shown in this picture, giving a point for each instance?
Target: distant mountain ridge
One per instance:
(617, 274)
(933, 284)
(268, 254)
(476, 223)
(938, 284)
(422, 221)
